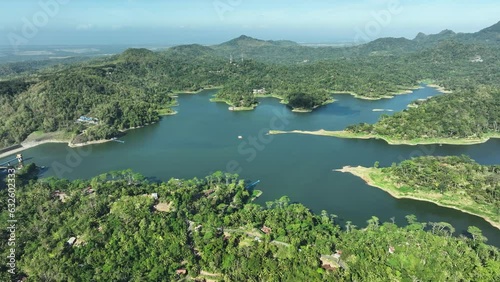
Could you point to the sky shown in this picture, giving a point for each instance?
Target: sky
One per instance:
(157, 22)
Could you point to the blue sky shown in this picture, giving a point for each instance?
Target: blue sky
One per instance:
(214, 21)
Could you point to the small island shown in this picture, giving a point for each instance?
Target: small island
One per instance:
(453, 182)
(233, 107)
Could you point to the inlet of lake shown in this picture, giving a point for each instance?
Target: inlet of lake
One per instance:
(203, 138)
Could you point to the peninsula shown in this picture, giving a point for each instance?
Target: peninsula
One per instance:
(453, 182)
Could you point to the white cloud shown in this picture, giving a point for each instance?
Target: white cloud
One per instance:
(84, 26)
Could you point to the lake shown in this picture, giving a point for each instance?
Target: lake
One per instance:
(203, 138)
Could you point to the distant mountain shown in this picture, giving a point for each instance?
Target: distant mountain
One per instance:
(490, 34)
(386, 46)
(492, 29)
(443, 35)
(284, 43)
(192, 50)
(136, 55)
(289, 52)
(280, 51)
(249, 42)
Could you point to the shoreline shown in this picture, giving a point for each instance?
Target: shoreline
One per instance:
(71, 145)
(272, 96)
(413, 142)
(404, 91)
(364, 174)
(232, 108)
(439, 88)
(296, 110)
(31, 144)
(177, 92)
(167, 113)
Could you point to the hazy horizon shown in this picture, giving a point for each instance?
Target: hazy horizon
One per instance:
(137, 22)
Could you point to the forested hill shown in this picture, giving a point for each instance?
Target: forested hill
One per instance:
(454, 181)
(455, 174)
(119, 227)
(472, 113)
(247, 42)
(490, 34)
(124, 91)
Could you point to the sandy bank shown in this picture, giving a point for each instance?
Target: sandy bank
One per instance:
(391, 141)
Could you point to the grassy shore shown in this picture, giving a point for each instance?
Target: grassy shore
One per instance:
(377, 178)
(38, 138)
(274, 96)
(94, 142)
(166, 112)
(403, 91)
(256, 194)
(394, 141)
(270, 96)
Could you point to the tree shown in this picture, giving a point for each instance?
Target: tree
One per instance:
(477, 234)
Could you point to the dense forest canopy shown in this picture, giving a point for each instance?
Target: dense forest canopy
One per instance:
(119, 227)
(457, 174)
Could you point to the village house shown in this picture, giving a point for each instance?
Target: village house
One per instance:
(59, 195)
(477, 59)
(259, 91)
(209, 192)
(86, 119)
(266, 229)
(71, 241)
(88, 190)
(328, 262)
(328, 267)
(181, 271)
